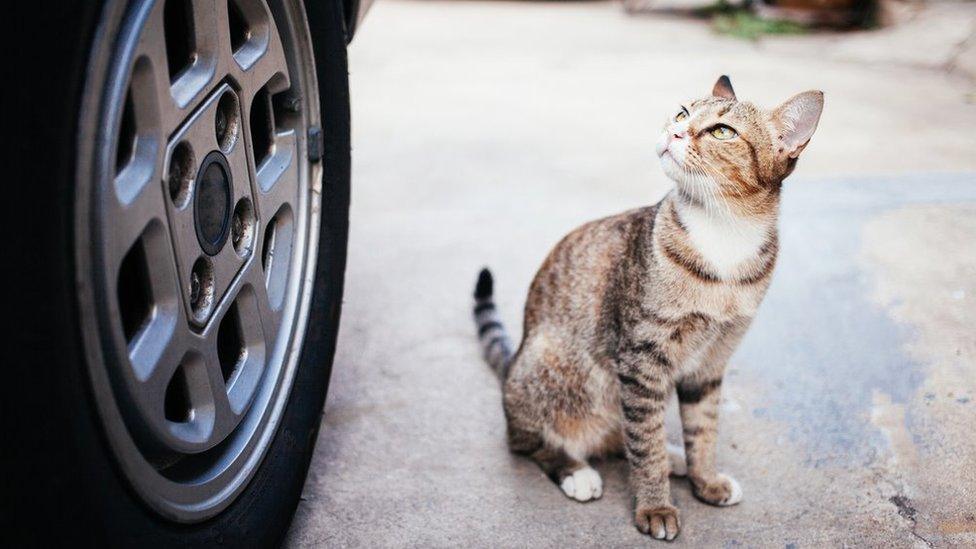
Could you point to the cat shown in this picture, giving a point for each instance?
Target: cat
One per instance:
(629, 308)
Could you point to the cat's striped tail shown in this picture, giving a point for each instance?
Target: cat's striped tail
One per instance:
(496, 347)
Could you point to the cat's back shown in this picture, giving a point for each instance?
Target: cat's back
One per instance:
(569, 287)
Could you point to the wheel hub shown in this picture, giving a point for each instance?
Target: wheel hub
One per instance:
(211, 205)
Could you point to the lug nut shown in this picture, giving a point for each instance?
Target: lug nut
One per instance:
(201, 289)
(237, 231)
(194, 289)
(180, 177)
(242, 228)
(292, 103)
(221, 124)
(227, 121)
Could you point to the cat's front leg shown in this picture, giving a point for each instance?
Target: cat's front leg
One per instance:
(699, 401)
(643, 399)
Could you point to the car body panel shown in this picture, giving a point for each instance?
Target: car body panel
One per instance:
(354, 12)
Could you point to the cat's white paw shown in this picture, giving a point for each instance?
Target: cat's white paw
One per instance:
(721, 490)
(583, 485)
(679, 466)
(736, 495)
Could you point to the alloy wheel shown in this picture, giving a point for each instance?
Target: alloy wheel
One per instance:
(196, 239)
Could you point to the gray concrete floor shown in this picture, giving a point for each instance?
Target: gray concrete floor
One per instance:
(483, 131)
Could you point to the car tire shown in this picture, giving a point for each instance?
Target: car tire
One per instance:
(65, 480)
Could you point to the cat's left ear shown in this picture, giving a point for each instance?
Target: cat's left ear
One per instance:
(795, 121)
(723, 88)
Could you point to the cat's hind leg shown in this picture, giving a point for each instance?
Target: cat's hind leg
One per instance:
(574, 476)
(555, 416)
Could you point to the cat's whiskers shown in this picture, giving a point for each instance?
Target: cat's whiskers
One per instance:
(702, 195)
(707, 167)
(708, 196)
(720, 202)
(697, 179)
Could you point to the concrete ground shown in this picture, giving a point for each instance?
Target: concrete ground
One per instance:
(484, 131)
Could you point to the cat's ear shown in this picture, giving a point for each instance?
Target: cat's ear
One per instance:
(795, 121)
(723, 88)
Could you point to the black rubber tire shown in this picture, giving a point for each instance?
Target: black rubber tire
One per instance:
(60, 482)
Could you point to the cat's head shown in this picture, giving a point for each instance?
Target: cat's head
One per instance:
(720, 147)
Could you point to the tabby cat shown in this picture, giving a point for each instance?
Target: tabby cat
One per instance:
(628, 308)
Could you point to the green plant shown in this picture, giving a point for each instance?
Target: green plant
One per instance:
(741, 22)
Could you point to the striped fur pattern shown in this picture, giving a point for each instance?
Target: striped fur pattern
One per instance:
(496, 347)
(627, 309)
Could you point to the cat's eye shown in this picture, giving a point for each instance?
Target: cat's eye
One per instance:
(682, 114)
(723, 132)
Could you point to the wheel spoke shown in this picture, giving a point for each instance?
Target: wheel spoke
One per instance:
(155, 362)
(151, 53)
(276, 254)
(278, 177)
(270, 318)
(257, 335)
(136, 199)
(259, 55)
(236, 354)
(183, 50)
(225, 419)
(131, 220)
(222, 35)
(175, 398)
(198, 72)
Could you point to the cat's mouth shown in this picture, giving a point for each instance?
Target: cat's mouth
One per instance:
(664, 152)
(671, 155)
(667, 157)
(673, 166)
(662, 147)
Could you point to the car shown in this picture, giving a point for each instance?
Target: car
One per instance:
(183, 213)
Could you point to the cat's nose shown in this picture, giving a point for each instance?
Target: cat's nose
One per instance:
(678, 135)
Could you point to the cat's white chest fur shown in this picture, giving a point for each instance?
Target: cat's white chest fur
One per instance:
(724, 241)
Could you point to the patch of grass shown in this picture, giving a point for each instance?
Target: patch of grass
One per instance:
(745, 24)
(741, 22)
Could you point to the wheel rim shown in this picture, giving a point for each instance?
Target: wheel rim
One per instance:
(196, 236)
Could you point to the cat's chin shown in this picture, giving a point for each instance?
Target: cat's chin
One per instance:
(672, 169)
